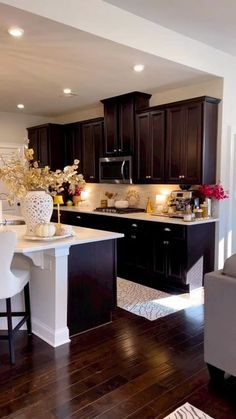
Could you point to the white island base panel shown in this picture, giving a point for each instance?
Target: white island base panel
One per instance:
(48, 261)
(48, 293)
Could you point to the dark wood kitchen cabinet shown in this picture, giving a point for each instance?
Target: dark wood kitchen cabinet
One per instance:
(73, 144)
(92, 141)
(48, 143)
(150, 147)
(84, 141)
(191, 136)
(119, 122)
(159, 255)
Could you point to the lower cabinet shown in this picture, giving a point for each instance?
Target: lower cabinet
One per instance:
(159, 255)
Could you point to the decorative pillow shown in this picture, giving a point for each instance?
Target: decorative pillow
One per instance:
(229, 268)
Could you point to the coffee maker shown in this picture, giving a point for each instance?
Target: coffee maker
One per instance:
(178, 201)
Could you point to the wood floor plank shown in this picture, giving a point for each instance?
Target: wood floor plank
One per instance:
(131, 368)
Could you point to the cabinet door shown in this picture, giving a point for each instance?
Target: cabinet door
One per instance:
(73, 146)
(192, 164)
(43, 147)
(142, 146)
(176, 261)
(174, 144)
(111, 128)
(92, 136)
(157, 146)
(33, 142)
(126, 127)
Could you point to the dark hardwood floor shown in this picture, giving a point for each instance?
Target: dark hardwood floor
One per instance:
(131, 368)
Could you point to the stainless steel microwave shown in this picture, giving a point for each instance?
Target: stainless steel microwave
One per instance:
(115, 169)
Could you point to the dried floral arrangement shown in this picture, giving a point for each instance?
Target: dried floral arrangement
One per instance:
(213, 191)
(23, 175)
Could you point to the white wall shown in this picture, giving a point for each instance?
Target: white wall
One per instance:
(212, 88)
(13, 126)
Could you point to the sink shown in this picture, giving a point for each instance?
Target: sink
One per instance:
(12, 222)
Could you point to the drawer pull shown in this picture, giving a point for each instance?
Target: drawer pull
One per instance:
(166, 242)
(167, 229)
(134, 225)
(91, 177)
(133, 236)
(79, 217)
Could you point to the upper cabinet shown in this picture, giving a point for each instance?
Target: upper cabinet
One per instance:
(150, 147)
(73, 144)
(84, 141)
(191, 138)
(48, 144)
(92, 138)
(119, 122)
(176, 143)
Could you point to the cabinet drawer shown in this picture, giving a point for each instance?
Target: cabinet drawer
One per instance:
(171, 230)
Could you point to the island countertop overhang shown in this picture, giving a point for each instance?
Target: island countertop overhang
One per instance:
(81, 236)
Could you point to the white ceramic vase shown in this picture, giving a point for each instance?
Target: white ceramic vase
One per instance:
(37, 207)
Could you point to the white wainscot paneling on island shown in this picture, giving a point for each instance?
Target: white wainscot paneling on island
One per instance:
(73, 282)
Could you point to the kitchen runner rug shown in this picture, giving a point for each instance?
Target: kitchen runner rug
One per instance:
(187, 411)
(152, 304)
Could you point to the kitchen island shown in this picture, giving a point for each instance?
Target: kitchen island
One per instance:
(73, 281)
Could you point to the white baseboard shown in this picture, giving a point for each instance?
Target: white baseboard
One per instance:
(60, 337)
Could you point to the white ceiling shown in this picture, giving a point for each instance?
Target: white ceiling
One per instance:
(208, 21)
(52, 56)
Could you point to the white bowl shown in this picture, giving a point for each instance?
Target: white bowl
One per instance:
(121, 204)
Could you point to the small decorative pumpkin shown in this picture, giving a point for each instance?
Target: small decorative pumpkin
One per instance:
(45, 230)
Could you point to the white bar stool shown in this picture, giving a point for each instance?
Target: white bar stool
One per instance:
(14, 278)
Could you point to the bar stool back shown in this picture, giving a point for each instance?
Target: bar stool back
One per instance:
(14, 278)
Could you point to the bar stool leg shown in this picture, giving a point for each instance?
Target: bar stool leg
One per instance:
(27, 309)
(10, 332)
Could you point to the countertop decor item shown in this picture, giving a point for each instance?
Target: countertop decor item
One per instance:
(133, 198)
(31, 183)
(36, 207)
(24, 175)
(213, 191)
(58, 200)
(45, 230)
(121, 204)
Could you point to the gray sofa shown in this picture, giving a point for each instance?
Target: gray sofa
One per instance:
(220, 320)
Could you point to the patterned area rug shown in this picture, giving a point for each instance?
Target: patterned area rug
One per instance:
(151, 303)
(187, 411)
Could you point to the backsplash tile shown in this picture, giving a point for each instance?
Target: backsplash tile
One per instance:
(96, 192)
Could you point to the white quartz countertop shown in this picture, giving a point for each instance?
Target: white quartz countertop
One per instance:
(82, 236)
(142, 216)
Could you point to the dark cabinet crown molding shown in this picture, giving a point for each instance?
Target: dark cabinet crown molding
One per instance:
(127, 96)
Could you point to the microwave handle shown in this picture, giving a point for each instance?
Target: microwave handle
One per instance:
(122, 169)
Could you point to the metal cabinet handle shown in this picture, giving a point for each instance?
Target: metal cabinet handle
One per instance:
(79, 217)
(167, 229)
(120, 149)
(148, 177)
(91, 177)
(134, 225)
(166, 242)
(115, 150)
(181, 176)
(133, 236)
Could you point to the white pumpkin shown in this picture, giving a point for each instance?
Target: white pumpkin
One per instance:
(45, 230)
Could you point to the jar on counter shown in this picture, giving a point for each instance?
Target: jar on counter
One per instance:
(205, 210)
(198, 213)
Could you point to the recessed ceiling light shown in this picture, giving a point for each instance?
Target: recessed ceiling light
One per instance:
(67, 91)
(138, 68)
(16, 32)
(20, 106)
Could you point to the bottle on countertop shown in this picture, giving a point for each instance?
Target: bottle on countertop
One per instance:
(149, 206)
(188, 216)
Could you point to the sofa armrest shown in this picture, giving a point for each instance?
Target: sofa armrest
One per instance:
(220, 321)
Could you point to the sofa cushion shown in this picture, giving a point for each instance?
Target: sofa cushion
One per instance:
(229, 268)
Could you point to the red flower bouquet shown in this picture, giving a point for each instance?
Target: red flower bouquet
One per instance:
(213, 191)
